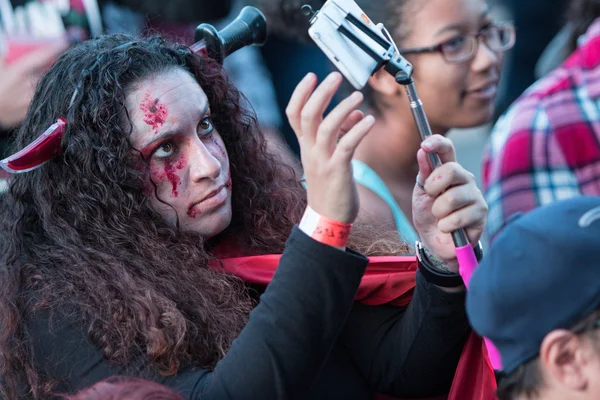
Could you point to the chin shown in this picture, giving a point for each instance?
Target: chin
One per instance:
(473, 118)
(209, 228)
(210, 225)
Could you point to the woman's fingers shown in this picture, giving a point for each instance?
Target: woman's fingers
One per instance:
(299, 98)
(440, 145)
(424, 168)
(305, 113)
(311, 115)
(354, 118)
(455, 199)
(473, 216)
(434, 144)
(331, 126)
(446, 176)
(345, 148)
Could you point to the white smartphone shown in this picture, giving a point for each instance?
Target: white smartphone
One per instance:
(356, 65)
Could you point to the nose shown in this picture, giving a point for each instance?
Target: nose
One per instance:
(203, 164)
(485, 58)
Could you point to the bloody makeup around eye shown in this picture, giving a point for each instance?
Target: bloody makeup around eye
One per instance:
(155, 113)
(166, 170)
(171, 175)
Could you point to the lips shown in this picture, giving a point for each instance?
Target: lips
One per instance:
(211, 194)
(214, 199)
(484, 87)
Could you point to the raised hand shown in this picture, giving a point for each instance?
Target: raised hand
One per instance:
(327, 144)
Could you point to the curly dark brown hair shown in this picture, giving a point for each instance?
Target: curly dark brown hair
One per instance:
(78, 234)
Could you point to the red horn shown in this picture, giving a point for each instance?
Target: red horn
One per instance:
(42, 149)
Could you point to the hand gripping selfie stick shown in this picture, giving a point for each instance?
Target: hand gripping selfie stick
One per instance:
(343, 18)
(250, 27)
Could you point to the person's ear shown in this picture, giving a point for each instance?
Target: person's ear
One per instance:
(564, 356)
(384, 83)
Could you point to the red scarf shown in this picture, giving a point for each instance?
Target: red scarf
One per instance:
(391, 280)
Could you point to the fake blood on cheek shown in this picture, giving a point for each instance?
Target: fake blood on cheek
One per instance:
(172, 177)
(169, 173)
(193, 212)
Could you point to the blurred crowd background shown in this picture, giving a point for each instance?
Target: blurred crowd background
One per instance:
(266, 75)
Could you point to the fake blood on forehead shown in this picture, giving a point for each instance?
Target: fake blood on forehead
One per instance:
(155, 113)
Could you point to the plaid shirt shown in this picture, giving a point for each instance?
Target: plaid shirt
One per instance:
(547, 145)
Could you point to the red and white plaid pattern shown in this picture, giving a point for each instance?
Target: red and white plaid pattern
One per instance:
(547, 145)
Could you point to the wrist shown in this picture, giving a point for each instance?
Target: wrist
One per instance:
(325, 230)
(451, 263)
(438, 272)
(441, 265)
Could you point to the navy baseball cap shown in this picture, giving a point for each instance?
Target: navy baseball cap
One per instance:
(542, 273)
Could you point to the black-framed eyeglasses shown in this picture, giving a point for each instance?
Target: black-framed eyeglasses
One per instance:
(499, 37)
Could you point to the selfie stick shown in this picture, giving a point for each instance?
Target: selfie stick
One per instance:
(388, 58)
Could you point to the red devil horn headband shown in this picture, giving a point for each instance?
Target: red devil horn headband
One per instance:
(247, 29)
(42, 149)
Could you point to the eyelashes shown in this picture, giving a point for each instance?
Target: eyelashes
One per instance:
(168, 148)
(165, 150)
(205, 126)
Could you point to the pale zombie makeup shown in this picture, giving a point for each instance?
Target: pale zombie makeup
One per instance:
(189, 166)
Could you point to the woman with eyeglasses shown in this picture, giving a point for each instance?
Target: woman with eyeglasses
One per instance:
(456, 50)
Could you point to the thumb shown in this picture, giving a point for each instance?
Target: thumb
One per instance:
(424, 166)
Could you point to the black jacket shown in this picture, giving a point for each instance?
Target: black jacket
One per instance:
(307, 339)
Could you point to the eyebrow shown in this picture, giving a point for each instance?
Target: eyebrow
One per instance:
(457, 27)
(172, 132)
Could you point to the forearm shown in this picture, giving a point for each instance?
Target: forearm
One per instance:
(410, 352)
(435, 329)
(291, 332)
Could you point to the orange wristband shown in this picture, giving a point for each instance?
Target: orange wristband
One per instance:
(323, 229)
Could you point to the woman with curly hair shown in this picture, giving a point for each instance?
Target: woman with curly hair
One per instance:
(126, 253)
